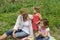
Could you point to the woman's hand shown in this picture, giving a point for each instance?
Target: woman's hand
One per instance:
(14, 35)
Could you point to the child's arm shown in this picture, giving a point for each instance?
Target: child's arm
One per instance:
(38, 25)
(37, 33)
(39, 16)
(45, 34)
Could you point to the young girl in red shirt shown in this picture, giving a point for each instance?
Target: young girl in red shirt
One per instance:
(36, 18)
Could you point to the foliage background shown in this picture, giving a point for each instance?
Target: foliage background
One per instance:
(9, 10)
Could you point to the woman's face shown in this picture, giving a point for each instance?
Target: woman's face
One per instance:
(25, 15)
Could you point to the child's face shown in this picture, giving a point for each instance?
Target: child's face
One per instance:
(41, 24)
(34, 10)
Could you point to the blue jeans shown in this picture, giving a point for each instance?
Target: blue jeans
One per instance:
(40, 37)
(19, 33)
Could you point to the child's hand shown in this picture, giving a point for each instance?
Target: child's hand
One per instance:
(37, 34)
(38, 22)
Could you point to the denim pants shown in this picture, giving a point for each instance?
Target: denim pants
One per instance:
(19, 33)
(40, 37)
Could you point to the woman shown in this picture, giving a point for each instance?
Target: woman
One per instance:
(22, 28)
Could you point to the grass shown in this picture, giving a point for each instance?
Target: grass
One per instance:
(49, 9)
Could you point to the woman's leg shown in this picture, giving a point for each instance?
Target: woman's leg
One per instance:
(6, 34)
(3, 36)
(21, 34)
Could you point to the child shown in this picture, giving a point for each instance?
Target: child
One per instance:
(44, 31)
(36, 17)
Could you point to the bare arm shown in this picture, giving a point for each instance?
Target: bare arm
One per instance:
(46, 34)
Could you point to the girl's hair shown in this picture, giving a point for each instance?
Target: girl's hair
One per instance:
(45, 22)
(37, 8)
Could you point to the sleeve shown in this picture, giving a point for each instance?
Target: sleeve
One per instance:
(30, 16)
(17, 23)
(48, 29)
(31, 29)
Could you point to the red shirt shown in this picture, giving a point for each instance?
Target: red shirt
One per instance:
(36, 18)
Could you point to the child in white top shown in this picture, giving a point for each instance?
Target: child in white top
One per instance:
(44, 32)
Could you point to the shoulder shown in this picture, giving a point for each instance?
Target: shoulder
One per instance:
(48, 29)
(19, 16)
(30, 16)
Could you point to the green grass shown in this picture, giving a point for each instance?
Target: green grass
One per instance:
(49, 9)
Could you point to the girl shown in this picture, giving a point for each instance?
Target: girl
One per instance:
(43, 33)
(36, 17)
(22, 28)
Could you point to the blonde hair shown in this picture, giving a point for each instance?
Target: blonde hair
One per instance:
(23, 10)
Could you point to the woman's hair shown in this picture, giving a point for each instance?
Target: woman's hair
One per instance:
(37, 8)
(23, 10)
(45, 22)
(24, 13)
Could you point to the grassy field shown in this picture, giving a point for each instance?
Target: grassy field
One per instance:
(49, 9)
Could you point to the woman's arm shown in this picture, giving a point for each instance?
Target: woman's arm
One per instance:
(31, 29)
(16, 26)
(14, 33)
(17, 23)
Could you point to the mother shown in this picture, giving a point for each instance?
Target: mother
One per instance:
(22, 28)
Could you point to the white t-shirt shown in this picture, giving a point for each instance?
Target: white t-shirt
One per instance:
(19, 25)
(47, 30)
(25, 26)
(44, 31)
